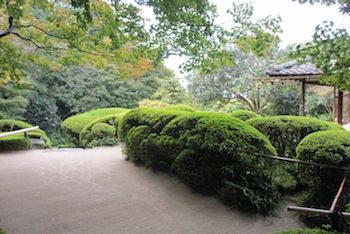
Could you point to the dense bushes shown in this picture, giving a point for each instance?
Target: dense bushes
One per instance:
(305, 231)
(155, 118)
(15, 142)
(213, 153)
(19, 142)
(90, 136)
(74, 124)
(244, 114)
(322, 183)
(285, 132)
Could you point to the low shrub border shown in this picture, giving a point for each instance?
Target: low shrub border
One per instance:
(285, 132)
(7, 125)
(88, 139)
(244, 114)
(210, 152)
(75, 124)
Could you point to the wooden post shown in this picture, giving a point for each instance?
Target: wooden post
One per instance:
(302, 111)
(334, 117)
(340, 107)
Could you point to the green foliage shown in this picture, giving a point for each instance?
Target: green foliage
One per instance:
(285, 132)
(61, 140)
(286, 100)
(43, 112)
(13, 100)
(321, 183)
(86, 136)
(211, 152)
(15, 142)
(81, 89)
(244, 114)
(180, 107)
(155, 118)
(305, 231)
(329, 45)
(8, 125)
(74, 124)
(2, 231)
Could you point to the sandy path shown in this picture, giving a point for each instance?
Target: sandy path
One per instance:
(97, 191)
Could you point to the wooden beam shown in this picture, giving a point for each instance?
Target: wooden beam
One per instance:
(334, 104)
(302, 98)
(340, 107)
(25, 130)
(335, 201)
(315, 211)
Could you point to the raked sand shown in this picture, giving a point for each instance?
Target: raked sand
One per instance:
(98, 191)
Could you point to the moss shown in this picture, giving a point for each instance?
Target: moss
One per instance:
(244, 114)
(74, 124)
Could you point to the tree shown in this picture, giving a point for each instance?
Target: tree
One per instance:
(329, 49)
(344, 4)
(330, 53)
(95, 32)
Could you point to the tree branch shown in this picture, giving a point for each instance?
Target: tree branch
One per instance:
(9, 29)
(47, 33)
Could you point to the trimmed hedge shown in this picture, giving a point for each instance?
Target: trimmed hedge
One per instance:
(305, 231)
(244, 114)
(7, 125)
(155, 118)
(15, 142)
(285, 132)
(213, 153)
(88, 139)
(180, 107)
(321, 184)
(74, 124)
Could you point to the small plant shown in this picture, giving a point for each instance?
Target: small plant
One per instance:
(244, 114)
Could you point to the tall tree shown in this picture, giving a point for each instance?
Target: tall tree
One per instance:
(97, 32)
(329, 49)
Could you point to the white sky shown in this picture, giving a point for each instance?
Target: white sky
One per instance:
(298, 20)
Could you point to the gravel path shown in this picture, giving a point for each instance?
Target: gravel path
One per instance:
(97, 191)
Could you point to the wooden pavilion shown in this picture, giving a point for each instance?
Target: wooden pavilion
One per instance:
(304, 74)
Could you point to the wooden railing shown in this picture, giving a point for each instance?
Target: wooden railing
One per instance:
(25, 130)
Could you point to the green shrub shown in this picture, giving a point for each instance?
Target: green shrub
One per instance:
(211, 152)
(321, 183)
(14, 142)
(285, 132)
(180, 107)
(244, 114)
(86, 137)
(2, 231)
(156, 118)
(7, 125)
(305, 231)
(74, 124)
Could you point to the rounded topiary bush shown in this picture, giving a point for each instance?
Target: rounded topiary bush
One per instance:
(304, 231)
(285, 132)
(87, 138)
(100, 130)
(75, 124)
(155, 118)
(15, 142)
(244, 114)
(216, 154)
(8, 125)
(322, 183)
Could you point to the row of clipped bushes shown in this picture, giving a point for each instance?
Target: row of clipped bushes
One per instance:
(210, 152)
(99, 127)
(217, 154)
(19, 141)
